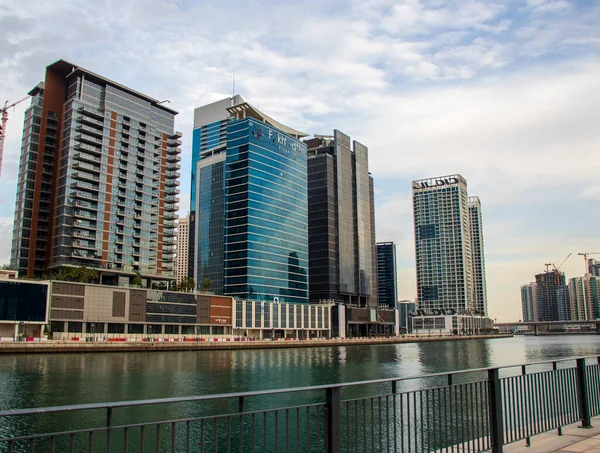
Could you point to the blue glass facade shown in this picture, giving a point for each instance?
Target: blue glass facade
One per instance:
(205, 138)
(211, 221)
(266, 214)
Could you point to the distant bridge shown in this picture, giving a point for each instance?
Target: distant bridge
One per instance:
(536, 324)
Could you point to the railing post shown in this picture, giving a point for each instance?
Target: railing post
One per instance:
(495, 410)
(108, 428)
(334, 436)
(582, 394)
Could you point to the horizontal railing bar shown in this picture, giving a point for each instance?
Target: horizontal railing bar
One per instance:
(148, 402)
(159, 422)
(410, 392)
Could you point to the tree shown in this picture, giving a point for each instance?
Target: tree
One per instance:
(7, 267)
(187, 284)
(206, 283)
(137, 279)
(80, 274)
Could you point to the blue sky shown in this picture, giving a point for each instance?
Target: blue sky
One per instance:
(506, 93)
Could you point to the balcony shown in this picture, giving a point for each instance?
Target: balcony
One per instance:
(173, 149)
(88, 147)
(86, 176)
(84, 214)
(79, 253)
(90, 130)
(89, 139)
(86, 205)
(84, 195)
(173, 174)
(172, 190)
(92, 112)
(87, 167)
(87, 157)
(85, 185)
(89, 120)
(171, 182)
(84, 245)
(173, 158)
(84, 224)
(83, 234)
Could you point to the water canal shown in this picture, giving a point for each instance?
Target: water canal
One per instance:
(60, 379)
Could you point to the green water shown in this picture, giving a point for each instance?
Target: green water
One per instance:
(60, 379)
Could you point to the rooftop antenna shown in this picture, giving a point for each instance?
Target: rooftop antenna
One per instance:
(232, 102)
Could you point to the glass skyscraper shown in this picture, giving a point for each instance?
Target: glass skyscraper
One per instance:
(479, 281)
(387, 293)
(250, 204)
(443, 246)
(98, 179)
(343, 257)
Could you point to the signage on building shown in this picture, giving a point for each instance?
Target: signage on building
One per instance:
(436, 183)
(285, 143)
(433, 312)
(217, 320)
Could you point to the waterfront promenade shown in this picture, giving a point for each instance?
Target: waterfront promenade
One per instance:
(573, 440)
(215, 344)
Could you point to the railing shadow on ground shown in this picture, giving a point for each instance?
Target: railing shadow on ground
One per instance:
(472, 410)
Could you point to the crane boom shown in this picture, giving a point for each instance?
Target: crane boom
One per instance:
(585, 261)
(564, 261)
(4, 119)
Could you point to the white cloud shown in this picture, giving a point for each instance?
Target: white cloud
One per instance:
(430, 87)
(592, 193)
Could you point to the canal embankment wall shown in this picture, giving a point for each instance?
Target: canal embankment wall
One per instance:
(40, 347)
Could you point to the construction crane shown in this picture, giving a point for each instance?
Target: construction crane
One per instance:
(554, 265)
(585, 261)
(563, 262)
(4, 113)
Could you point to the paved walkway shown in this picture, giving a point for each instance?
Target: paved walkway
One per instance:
(573, 440)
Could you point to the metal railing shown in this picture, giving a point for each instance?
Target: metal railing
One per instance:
(472, 410)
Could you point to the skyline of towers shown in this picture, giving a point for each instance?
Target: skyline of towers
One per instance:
(106, 182)
(98, 179)
(449, 252)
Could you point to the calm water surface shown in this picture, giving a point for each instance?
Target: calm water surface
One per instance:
(58, 379)
(61, 379)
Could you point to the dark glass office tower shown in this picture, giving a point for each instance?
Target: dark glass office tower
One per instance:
(387, 293)
(98, 179)
(250, 204)
(341, 222)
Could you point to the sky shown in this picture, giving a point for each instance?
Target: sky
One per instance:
(505, 93)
